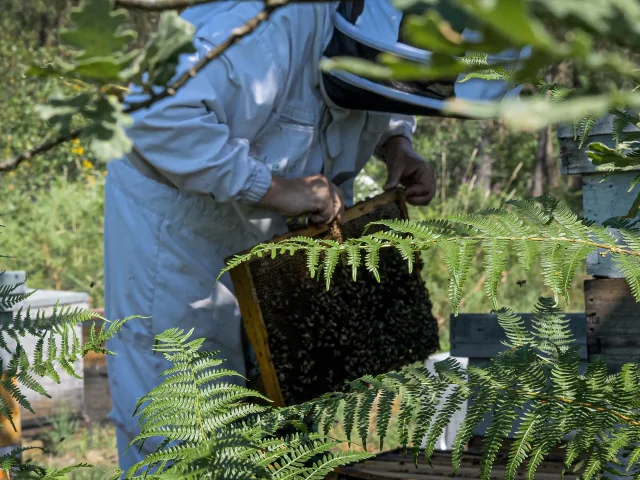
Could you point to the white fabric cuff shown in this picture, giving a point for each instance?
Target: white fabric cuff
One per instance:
(403, 126)
(258, 184)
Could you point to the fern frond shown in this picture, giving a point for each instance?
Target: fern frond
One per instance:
(585, 126)
(542, 228)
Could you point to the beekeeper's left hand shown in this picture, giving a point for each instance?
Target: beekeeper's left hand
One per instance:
(405, 167)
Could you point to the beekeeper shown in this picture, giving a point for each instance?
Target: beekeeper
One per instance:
(259, 135)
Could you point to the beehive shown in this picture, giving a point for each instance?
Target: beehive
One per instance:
(309, 341)
(68, 394)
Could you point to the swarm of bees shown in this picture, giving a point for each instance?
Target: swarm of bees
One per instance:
(320, 339)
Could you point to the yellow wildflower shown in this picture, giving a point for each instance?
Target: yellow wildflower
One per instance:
(75, 141)
(11, 187)
(87, 164)
(104, 173)
(78, 150)
(92, 181)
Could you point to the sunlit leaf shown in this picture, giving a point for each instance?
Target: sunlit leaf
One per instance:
(98, 30)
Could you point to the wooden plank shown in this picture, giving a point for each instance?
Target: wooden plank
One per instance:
(395, 466)
(613, 321)
(97, 396)
(480, 336)
(256, 331)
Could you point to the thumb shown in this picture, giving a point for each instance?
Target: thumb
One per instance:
(394, 176)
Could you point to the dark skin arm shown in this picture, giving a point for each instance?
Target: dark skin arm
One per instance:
(405, 167)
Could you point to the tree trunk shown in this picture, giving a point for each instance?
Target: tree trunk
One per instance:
(538, 174)
(552, 169)
(485, 169)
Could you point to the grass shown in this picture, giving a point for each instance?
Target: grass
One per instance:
(67, 441)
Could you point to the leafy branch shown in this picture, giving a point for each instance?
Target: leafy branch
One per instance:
(533, 389)
(541, 228)
(159, 5)
(209, 425)
(57, 347)
(593, 415)
(175, 29)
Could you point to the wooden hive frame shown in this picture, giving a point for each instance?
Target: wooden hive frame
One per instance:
(252, 317)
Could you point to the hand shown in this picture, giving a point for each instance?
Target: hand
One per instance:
(406, 167)
(314, 195)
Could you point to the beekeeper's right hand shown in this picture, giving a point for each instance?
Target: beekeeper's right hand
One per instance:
(315, 195)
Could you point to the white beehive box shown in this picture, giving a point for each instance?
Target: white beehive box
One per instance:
(69, 393)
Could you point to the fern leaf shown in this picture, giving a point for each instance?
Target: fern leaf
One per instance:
(364, 414)
(354, 258)
(313, 259)
(332, 461)
(513, 326)
(585, 126)
(372, 258)
(385, 406)
(495, 263)
(480, 406)
(458, 257)
(331, 259)
(58, 473)
(446, 413)
(502, 422)
(351, 408)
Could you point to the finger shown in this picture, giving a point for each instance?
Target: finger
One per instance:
(418, 190)
(337, 202)
(320, 218)
(394, 176)
(421, 200)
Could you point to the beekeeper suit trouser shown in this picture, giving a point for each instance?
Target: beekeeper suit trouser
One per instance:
(256, 112)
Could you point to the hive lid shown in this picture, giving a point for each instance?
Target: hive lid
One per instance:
(48, 298)
(18, 277)
(480, 336)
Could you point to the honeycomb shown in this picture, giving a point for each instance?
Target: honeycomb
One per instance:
(320, 339)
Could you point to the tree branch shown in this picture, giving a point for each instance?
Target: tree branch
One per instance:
(236, 35)
(13, 163)
(158, 5)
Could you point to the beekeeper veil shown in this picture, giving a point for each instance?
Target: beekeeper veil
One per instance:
(365, 29)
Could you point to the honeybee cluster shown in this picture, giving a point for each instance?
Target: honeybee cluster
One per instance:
(321, 339)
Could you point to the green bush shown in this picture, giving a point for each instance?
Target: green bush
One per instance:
(54, 233)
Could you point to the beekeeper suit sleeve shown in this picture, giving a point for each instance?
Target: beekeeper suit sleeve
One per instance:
(187, 138)
(399, 125)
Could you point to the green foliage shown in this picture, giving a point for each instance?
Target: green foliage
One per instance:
(57, 348)
(209, 425)
(216, 428)
(56, 230)
(101, 61)
(595, 414)
(542, 228)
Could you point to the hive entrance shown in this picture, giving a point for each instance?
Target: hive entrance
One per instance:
(319, 339)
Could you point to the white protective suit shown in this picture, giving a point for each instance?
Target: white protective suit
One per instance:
(256, 112)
